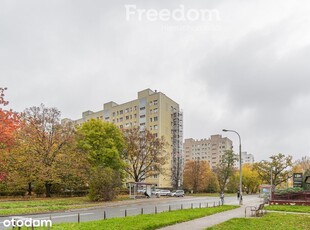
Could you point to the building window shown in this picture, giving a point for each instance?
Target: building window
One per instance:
(121, 119)
(142, 108)
(135, 115)
(155, 110)
(155, 127)
(142, 116)
(113, 114)
(155, 102)
(155, 118)
(127, 117)
(151, 119)
(121, 112)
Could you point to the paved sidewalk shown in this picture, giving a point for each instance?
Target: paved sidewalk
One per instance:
(208, 221)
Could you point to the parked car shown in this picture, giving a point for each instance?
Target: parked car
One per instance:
(161, 192)
(178, 193)
(164, 192)
(155, 192)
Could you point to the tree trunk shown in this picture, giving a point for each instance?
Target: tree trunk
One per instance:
(29, 188)
(48, 189)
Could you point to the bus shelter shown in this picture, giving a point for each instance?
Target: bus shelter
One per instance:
(140, 189)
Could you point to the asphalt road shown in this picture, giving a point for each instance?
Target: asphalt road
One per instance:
(129, 208)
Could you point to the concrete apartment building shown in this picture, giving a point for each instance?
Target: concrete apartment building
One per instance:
(210, 150)
(156, 112)
(245, 158)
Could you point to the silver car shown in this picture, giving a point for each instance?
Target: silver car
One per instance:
(178, 193)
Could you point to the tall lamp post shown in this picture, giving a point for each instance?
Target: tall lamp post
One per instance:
(240, 163)
(271, 169)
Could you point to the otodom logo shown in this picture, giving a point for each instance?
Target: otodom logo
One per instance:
(26, 222)
(178, 14)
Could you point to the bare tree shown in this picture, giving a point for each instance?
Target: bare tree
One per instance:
(144, 153)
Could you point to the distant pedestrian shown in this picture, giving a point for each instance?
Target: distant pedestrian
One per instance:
(238, 194)
(147, 195)
(222, 197)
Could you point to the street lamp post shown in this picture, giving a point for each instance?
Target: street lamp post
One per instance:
(271, 169)
(240, 163)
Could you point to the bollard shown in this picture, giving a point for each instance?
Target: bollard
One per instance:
(219, 203)
(199, 205)
(155, 209)
(141, 211)
(104, 215)
(169, 208)
(214, 204)
(181, 206)
(49, 227)
(125, 212)
(192, 206)
(78, 217)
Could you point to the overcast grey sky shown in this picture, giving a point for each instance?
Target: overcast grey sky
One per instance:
(246, 67)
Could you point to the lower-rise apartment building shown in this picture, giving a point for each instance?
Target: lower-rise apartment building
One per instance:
(210, 150)
(246, 158)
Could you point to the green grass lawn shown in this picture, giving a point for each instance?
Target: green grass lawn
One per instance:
(270, 221)
(147, 221)
(42, 205)
(289, 208)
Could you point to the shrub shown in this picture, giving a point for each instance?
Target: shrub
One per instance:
(104, 184)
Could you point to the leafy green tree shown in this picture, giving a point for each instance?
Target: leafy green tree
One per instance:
(280, 167)
(233, 182)
(225, 168)
(103, 143)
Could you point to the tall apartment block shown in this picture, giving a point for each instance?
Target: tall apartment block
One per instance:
(210, 150)
(158, 113)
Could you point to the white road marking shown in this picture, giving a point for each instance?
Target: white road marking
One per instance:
(122, 210)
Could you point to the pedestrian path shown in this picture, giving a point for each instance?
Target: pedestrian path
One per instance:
(208, 221)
